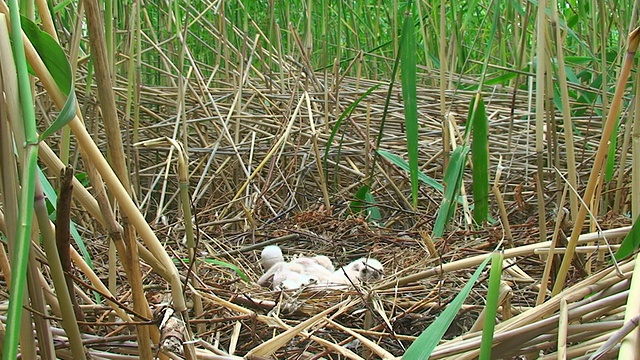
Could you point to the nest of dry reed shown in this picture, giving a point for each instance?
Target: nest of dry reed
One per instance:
(270, 128)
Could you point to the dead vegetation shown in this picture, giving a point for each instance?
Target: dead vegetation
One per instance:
(283, 202)
(255, 140)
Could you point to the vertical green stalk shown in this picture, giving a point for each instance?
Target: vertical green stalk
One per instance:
(491, 307)
(308, 38)
(339, 32)
(394, 26)
(69, 321)
(541, 66)
(442, 56)
(602, 35)
(325, 59)
(10, 178)
(478, 125)
(21, 247)
(566, 111)
(135, 136)
(480, 159)
(408, 75)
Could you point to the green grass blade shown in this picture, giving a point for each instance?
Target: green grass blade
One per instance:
(452, 181)
(631, 242)
(503, 79)
(56, 62)
(611, 156)
(51, 53)
(64, 117)
(492, 306)
(480, 159)
(364, 201)
(383, 121)
(429, 339)
(401, 163)
(408, 75)
(336, 126)
(236, 269)
(60, 6)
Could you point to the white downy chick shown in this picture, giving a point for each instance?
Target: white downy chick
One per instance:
(361, 270)
(303, 270)
(320, 265)
(270, 256)
(324, 261)
(287, 275)
(294, 274)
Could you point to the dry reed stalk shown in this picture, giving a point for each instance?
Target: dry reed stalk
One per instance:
(509, 253)
(539, 320)
(504, 218)
(589, 194)
(221, 122)
(561, 219)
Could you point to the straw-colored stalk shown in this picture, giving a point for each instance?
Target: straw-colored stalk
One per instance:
(504, 218)
(269, 347)
(509, 253)
(183, 179)
(635, 154)
(9, 124)
(115, 150)
(37, 286)
(620, 203)
(629, 346)
(635, 137)
(563, 323)
(164, 266)
(131, 116)
(316, 149)
(590, 193)
(544, 281)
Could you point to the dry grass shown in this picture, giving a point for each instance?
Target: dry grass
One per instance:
(254, 138)
(284, 199)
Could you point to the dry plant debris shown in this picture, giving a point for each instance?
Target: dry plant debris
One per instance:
(238, 209)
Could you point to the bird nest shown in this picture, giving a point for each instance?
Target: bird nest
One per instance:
(268, 183)
(384, 318)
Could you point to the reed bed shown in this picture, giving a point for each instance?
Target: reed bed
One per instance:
(285, 205)
(232, 140)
